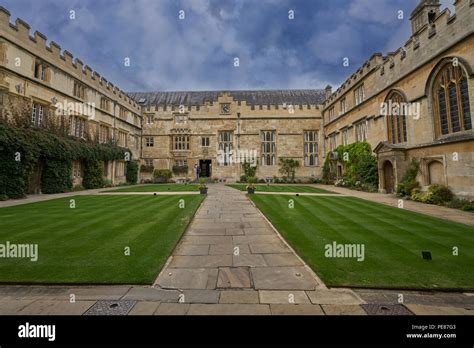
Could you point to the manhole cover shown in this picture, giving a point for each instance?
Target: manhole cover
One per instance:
(111, 308)
(384, 309)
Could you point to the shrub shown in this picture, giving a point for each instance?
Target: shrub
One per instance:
(408, 182)
(132, 172)
(93, 175)
(261, 181)
(78, 188)
(108, 183)
(243, 178)
(56, 176)
(3, 197)
(177, 170)
(288, 167)
(162, 175)
(463, 204)
(146, 169)
(249, 170)
(440, 194)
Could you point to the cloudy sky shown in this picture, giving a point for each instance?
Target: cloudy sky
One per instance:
(199, 51)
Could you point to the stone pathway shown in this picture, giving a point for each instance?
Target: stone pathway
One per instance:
(456, 215)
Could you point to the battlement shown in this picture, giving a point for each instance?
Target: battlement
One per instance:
(427, 43)
(37, 45)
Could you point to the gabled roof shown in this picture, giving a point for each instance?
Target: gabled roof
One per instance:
(262, 97)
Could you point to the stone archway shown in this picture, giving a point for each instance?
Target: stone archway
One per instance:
(436, 173)
(389, 177)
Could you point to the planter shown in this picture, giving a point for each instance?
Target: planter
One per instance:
(203, 190)
(250, 190)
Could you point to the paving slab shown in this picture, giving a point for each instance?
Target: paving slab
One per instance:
(151, 294)
(239, 296)
(343, 310)
(208, 239)
(283, 297)
(438, 310)
(269, 248)
(51, 307)
(335, 296)
(172, 309)
(187, 249)
(301, 309)
(234, 277)
(144, 308)
(253, 260)
(209, 261)
(258, 231)
(283, 278)
(100, 292)
(186, 278)
(282, 260)
(12, 307)
(229, 309)
(199, 296)
(227, 249)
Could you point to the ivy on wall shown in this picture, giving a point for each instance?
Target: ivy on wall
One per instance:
(360, 166)
(22, 148)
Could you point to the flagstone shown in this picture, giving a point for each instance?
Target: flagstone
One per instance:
(186, 278)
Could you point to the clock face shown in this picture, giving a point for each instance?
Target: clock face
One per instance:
(225, 108)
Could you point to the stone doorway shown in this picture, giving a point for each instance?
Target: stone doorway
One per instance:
(206, 168)
(389, 179)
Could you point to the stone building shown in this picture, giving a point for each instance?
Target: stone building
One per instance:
(415, 103)
(52, 83)
(217, 131)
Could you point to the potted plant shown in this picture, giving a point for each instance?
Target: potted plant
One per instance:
(202, 186)
(251, 185)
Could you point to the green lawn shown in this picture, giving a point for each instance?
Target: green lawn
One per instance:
(87, 244)
(281, 188)
(393, 239)
(158, 188)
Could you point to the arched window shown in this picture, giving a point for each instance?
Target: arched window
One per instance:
(396, 118)
(451, 100)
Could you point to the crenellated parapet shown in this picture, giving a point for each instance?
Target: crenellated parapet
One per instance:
(427, 43)
(64, 60)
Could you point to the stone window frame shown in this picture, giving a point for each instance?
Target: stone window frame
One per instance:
(343, 105)
(39, 114)
(361, 130)
(359, 94)
(205, 141)
(268, 148)
(104, 133)
(456, 76)
(78, 126)
(396, 131)
(226, 146)
(41, 70)
(180, 142)
(311, 142)
(149, 141)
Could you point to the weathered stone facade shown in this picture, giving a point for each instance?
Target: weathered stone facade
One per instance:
(183, 131)
(202, 117)
(51, 83)
(440, 40)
